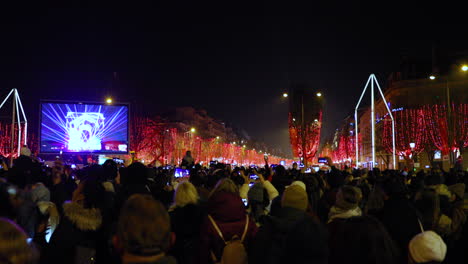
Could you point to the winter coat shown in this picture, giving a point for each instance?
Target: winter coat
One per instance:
(78, 228)
(400, 218)
(271, 242)
(228, 211)
(187, 232)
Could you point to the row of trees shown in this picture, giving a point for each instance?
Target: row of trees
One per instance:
(160, 142)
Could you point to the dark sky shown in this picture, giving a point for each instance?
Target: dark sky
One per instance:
(233, 59)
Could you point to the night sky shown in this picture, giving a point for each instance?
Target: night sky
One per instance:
(233, 59)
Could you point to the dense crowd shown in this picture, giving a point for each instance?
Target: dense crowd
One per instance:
(227, 214)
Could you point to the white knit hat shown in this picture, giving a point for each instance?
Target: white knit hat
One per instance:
(427, 246)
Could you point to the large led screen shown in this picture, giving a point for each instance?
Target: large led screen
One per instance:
(84, 128)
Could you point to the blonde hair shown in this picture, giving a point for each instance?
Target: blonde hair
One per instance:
(226, 185)
(185, 194)
(144, 226)
(14, 247)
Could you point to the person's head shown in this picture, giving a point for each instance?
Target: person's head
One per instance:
(393, 186)
(348, 197)
(295, 196)
(427, 202)
(25, 151)
(137, 173)
(427, 247)
(188, 153)
(226, 185)
(363, 239)
(306, 242)
(144, 227)
(185, 194)
(294, 165)
(89, 192)
(110, 169)
(258, 200)
(14, 247)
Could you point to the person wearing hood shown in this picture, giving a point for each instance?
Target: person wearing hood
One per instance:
(227, 210)
(346, 203)
(291, 223)
(75, 238)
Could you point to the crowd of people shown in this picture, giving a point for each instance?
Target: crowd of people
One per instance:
(227, 214)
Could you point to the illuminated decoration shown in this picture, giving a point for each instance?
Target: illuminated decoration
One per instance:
(19, 139)
(438, 128)
(75, 128)
(82, 131)
(154, 141)
(410, 130)
(373, 80)
(311, 137)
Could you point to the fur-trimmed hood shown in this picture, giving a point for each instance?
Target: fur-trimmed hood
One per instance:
(83, 218)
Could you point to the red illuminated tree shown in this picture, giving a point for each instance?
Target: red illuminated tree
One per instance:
(305, 141)
(410, 127)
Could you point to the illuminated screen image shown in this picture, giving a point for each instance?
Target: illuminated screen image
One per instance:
(84, 128)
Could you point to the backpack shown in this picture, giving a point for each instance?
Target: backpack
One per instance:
(234, 251)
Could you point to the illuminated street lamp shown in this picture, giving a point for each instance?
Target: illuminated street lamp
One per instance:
(412, 145)
(464, 67)
(319, 94)
(432, 77)
(109, 100)
(285, 95)
(192, 130)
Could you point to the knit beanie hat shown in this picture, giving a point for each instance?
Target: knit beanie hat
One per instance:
(40, 193)
(348, 197)
(458, 189)
(25, 151)
(256, 192)
(296, 197)
(427, 246)
(298, 183)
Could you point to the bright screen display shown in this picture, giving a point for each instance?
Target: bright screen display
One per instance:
(84, 128)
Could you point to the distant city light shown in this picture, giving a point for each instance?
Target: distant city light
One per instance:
(285, 95)
(192, 130)
(464, 68)
(319, 94)
(432, 77)
(109, 100)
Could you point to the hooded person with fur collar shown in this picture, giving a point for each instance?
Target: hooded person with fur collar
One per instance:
(346, 205)
(76, 235)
